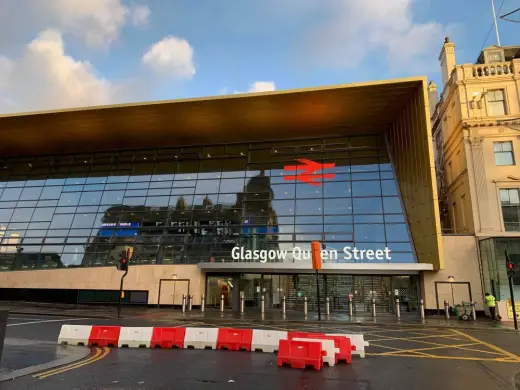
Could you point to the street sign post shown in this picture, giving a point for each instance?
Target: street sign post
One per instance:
(510, 275)
(316, 265)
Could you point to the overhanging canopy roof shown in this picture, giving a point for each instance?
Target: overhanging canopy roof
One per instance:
(314, 112)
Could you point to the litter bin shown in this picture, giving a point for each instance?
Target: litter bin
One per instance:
(3, 323)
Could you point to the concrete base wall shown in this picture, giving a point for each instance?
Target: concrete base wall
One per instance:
(140, 277)
(460, 262)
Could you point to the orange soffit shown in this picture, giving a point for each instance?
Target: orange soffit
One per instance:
(308, 174)
(316, 255)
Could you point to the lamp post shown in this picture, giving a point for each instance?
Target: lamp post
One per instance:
(451, 279)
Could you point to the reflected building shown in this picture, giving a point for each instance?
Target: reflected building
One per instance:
(188, 233)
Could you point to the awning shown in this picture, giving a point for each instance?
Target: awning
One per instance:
(330, 268)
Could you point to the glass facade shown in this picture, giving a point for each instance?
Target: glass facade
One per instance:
(195, 204)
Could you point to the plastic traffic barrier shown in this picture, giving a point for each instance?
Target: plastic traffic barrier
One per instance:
(168, 337)
(74, 334)
(201, 338)
(131, 337)
(356, 340)
(293, 335)
(234, 339)
(104, 336)
(300, 354)
(342, 343)
(327, 346)
(267, 340)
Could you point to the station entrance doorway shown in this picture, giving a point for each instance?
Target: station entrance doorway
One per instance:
(295, 287)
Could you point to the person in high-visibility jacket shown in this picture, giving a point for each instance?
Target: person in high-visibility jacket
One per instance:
(491, 303)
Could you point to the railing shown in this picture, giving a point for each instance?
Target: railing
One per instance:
(498, 69)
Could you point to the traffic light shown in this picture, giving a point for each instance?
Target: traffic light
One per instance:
(510, 269)
(123, 264)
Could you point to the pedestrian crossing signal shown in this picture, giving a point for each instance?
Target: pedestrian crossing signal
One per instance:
(510, 269)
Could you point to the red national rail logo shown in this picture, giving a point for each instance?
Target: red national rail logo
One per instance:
(309, 174)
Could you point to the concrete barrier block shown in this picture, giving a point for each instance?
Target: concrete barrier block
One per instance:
(135, 337)
(74, 334)
(267, 340)
(357, 340)
(201, 338)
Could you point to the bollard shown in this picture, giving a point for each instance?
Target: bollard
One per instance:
(241, 302)
(421, 308)
(327, 306)
(190, 302)
(202, 303)
(305, 306)
(397, 308)
(350, 308)
(373, 307)
(183, 303)
(283, 305)
(447, 309)
(473, 311)
(262, 304)
(222, 302)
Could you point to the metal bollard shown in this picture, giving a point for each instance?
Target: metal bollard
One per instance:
(222, 302)
(283, 305)
(421, 308)
(202, 303)
(327, 306)
(373, 307)
(397, 308)
(241, 302)
(474, 311)
(447, 309)
(190, 302)
(183, 303)
(305, 311)
(350, 308)
(262, 304)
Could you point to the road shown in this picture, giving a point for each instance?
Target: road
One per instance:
(398, 358)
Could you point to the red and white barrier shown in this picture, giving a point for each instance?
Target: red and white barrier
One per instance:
(334, 347)
(74, 334)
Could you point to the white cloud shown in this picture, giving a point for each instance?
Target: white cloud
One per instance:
(354, 30)
(6, 67)
(262, 86)
(45, 77)
(98, 23)
(257, 86)
(140, 15)
(171, 56)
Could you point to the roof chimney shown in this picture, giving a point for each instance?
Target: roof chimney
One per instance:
(433, 97)
(447, 59)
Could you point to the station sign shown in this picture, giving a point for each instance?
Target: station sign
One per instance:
(297, 253)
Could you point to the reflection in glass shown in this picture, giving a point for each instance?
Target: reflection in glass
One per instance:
(183, 206)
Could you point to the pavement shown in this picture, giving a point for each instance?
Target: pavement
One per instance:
(211, 314)
(399, 357)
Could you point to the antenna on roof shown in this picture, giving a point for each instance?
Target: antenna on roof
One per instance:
(495, 21)
(513, 16)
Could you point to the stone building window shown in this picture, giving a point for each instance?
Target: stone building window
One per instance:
(496, 103)
(510, 201)
(504, 153)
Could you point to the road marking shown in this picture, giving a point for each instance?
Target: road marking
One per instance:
(100, 354)
(430, 348)
(445, 357)
(493, 347)
(45, 321)
(410, 338)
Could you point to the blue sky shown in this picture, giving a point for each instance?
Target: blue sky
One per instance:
(68, 53)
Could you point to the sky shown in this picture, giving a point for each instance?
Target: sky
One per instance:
(73, 53)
